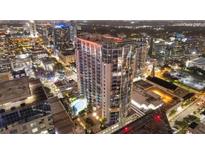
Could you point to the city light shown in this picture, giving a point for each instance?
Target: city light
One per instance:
(94, 114)
(110, 77)
(194, 52)
(8, 31)
(62, 25)
(157, 118)
(126, 130)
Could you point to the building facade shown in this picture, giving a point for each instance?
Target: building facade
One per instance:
(105, 69)
(24, 108)
(141, 59)
(5, 65)
(64, 35)
(68, 56)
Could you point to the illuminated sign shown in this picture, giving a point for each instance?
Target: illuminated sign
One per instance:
(62, 25)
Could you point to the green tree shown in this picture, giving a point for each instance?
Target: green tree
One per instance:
(89, 107)
(172, 112)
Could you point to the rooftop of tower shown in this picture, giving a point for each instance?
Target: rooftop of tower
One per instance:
(99, 38)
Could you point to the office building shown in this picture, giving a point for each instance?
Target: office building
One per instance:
(32, 28)
(64, 35)
(105, 69)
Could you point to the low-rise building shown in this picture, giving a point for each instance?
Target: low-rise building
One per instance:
(144, 100)
(18, 74)
(39, 54)
(5, 76)
(47, 64)
(24, 107)
(196, 128)
(20, 63)
(154, 93)
(5, 65)
(197, 62)
(67, 56)
(66, 85)
(61, 119)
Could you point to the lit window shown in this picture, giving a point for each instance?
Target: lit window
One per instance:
(42, 126)
(34, 130)
(33, 124)
(44, 132)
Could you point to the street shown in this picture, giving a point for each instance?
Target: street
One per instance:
(188, 110)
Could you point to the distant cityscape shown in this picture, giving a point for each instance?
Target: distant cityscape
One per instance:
(102, 77)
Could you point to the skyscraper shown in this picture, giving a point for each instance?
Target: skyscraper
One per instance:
(64, 36)
(32, 28)
(141, 58)
(105, 67)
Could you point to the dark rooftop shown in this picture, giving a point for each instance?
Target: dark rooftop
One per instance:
(14, 90)
(155, 122)
(99, 38)
(143, 84)
(24, 114)
(193, 125)
(61, 119)
(188, 96)
(68, 52)
(162, 83)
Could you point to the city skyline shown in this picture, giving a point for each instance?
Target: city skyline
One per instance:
(102, 77)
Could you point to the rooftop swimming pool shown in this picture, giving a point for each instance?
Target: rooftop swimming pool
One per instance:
(79, 105)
